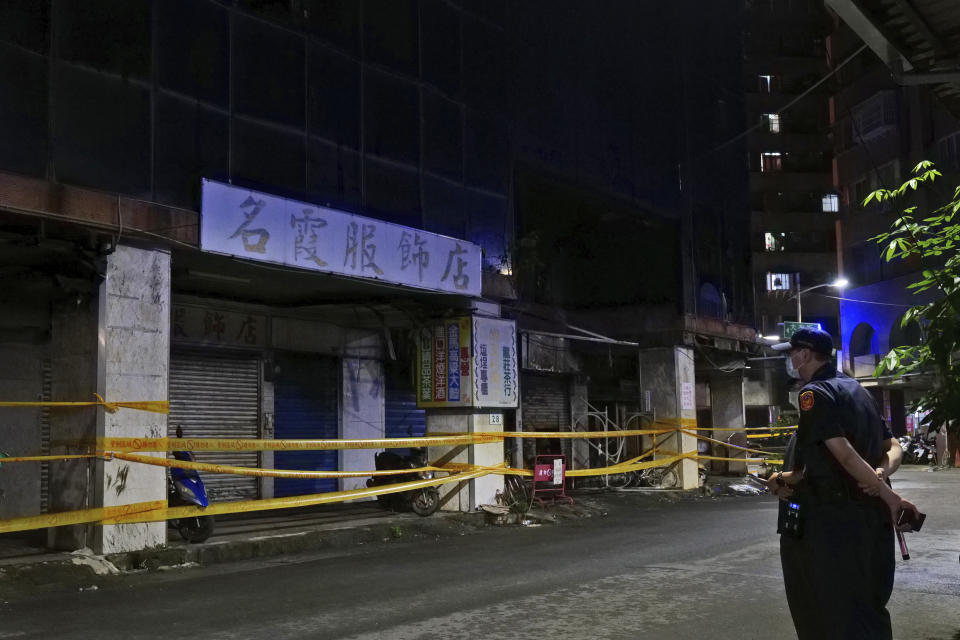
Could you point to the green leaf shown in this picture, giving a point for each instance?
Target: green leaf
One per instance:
(890, 250)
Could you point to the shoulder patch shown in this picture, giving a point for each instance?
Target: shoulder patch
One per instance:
(806, 401)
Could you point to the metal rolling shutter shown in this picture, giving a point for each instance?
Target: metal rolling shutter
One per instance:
(306, 405)
(545, 402)
(404, 419)
(47, 376)
(216, 394)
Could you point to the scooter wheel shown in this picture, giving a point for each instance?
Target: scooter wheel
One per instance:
(196, 529)
(425, 502)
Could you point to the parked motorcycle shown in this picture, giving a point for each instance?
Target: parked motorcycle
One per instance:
(424, 501)
(185, 487)
(906, 445)
(922, 453)
(917, 451)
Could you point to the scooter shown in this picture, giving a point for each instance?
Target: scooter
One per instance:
(424, 501)
(923, 453)
(185, 487)
(906, 443)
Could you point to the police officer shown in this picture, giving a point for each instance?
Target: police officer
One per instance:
(838, 568)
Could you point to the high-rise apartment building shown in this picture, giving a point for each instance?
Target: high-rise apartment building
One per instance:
(792, 199)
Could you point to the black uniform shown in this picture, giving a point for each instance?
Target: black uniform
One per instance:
(839, 573)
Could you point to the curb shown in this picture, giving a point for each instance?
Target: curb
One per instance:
(65, 571)
(60, 571)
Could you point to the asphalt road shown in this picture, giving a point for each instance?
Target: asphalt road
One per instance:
(705, 568)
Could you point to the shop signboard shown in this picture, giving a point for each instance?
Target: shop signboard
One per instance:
(258, 226)
(468, 362)
(495, 379)
(443, 365)
(790, 328)
(207, 326)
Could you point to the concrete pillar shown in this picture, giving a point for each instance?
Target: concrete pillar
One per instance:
(267, 412)
(668, 373)
(468, 495)
(728, 409)
(362, 414)
(115, 343)
(133, 358)
(579, 449)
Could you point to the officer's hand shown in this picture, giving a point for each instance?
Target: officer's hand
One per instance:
(904, 505)
(782, 492)
(873, 490)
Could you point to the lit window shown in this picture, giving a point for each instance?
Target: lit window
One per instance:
(771, 161)
(831, 203)
(773, 122)
(766, 83)
(778, 282)
(772, 243)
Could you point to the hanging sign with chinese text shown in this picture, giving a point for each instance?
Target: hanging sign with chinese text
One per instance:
(495, 362)
(217, 327)
(257, 226)
(443, 365)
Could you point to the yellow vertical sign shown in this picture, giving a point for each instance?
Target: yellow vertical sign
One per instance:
(444, 359)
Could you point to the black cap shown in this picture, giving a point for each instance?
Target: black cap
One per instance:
(816, 339)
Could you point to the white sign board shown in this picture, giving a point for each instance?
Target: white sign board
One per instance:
(258, 226)
(495, 381)
(688, 400)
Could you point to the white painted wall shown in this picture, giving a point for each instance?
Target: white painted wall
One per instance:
(134, 356)
(683, 359)
(485, 488)
(467, 495)
(362, 414)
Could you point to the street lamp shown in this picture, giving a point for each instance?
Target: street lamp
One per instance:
(839, 283)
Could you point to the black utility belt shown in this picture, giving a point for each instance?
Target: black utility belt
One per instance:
(814, 495)
(833, 492)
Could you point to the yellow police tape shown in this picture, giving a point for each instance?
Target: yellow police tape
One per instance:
(725, 444)
(129, 445)
(786, 428)
(254, 444)
(633, 464)
(286, 502)
(50, 458)
(154, 406)
(83, 516)
(158, 510)
(260, 472)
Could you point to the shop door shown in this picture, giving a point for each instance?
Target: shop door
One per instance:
(216, 394)
(306, 405)
(545, 406)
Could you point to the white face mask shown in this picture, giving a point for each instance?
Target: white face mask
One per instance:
(791, 370)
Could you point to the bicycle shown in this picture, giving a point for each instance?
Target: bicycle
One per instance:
(657, 477)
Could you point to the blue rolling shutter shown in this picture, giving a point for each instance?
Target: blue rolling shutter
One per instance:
(306, 405)
(404, 419)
